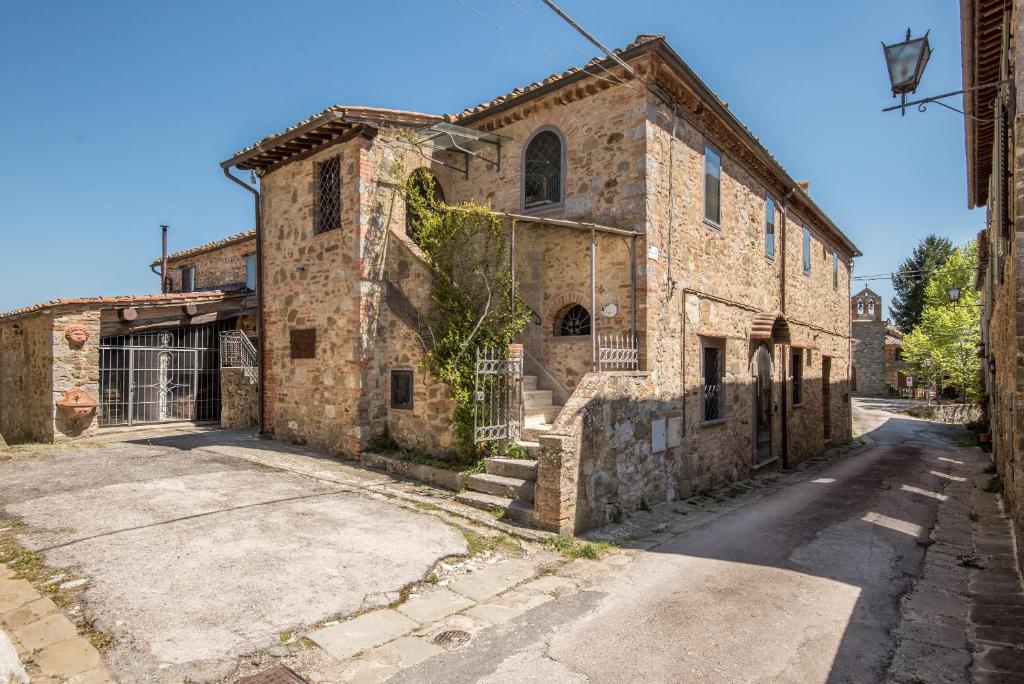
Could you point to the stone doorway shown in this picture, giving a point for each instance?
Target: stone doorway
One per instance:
(763, 384)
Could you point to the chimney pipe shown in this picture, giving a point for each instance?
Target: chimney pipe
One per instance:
(163, 261)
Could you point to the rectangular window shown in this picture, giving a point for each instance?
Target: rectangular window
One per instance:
(835, 270)
(769, 227)
(807, 250)
(303, 343)
(798, 376)
(250, 272)
(401, 389)
(712, 379)
(188, 278)
(327, 208)
(712, 186)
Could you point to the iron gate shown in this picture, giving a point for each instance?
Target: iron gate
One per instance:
(162, 375)
(498, 385)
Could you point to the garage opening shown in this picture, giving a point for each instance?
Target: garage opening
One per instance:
(160, 376)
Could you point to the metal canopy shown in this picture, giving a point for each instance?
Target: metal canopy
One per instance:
(463, 142)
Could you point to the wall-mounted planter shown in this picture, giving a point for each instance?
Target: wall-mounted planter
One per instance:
(76, 404)
(76, 335)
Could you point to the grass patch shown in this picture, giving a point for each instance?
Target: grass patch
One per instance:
(28, 565)
(571, 547)
(968, 439)
(428, 507)
(477, 543)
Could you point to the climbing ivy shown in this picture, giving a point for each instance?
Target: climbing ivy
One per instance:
(473, 293)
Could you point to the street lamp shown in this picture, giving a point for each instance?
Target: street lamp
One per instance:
(906, 62)
(954, 294)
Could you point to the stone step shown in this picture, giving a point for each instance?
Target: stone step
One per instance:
(500, 485)
(536, 397)
(529, 382)
(533, 431)
(512, 467)
(532, 449)
(548, 412)
(518, 511)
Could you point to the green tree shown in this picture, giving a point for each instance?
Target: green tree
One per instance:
(929, 255)
(944, 345)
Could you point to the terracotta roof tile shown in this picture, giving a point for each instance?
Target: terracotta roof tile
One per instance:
(210, 246)
(169, 298)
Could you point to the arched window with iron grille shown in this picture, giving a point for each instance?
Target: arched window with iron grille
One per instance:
(573, 321)
(543, 169)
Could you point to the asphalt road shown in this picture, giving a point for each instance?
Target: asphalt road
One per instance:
(801, 586)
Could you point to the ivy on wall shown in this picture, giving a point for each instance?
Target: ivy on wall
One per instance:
(473, 293)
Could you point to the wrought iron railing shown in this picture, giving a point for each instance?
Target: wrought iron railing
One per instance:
(617, 351)
(498, 395)
(237, 351)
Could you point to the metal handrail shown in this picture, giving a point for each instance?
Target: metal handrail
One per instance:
(237, 351)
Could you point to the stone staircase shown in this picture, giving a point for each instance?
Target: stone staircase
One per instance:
(508, 484)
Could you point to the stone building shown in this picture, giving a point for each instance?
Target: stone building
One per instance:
(878, 366)
(644, 210)
(995, 180)
(70, 367)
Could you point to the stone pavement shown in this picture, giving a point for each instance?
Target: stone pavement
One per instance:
(964, 620)
(47, 643)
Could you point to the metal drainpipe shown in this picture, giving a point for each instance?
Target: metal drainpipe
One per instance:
(259, 288)
(785, 351)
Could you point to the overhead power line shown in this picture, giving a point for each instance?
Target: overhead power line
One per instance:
(524, 41)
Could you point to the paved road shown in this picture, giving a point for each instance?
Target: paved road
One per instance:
(803, 585)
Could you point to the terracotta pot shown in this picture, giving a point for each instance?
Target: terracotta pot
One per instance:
(76, 404)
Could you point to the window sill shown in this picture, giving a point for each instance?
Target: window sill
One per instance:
(565, 339)
(796, 406)
(713, 423)
(765, 464)
(807, 273)
(711, 224)
(769, 258)
(545, 209)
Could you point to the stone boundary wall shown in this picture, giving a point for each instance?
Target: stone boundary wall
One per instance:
(599, 461)
(948, 413)
(239, 399)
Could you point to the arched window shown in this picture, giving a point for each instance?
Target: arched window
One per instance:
(860, 307)
(871, 307)
(574, 321)
(542, 170)
(423, 191)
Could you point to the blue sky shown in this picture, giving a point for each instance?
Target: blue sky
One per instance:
(116, 114)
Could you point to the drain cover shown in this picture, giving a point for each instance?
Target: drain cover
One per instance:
(453, 638)
(275, 675)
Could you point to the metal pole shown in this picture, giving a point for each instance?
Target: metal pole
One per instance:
(163, 261)
(259, 292)
(593, 295)
(632, 283)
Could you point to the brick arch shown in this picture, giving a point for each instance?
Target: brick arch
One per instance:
(562, 303)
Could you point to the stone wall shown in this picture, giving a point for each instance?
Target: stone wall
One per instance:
(869, 357)
(602, 459)
(239, 397)
(75, 366)
(948, 413)
(214, 268)
(26, 378)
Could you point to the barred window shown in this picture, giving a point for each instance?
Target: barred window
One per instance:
(401, 389)
(327, 208)
(712, 375)
(574, 321)
(542, 170)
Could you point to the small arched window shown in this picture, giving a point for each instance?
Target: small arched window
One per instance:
(574, 321)
(542, 170)
(871, 307)
(423, 191)
(860, 307)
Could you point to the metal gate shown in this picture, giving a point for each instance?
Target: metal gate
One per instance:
(498, 385)
(161, 376)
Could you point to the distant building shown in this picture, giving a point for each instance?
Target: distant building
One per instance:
(878, 366)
